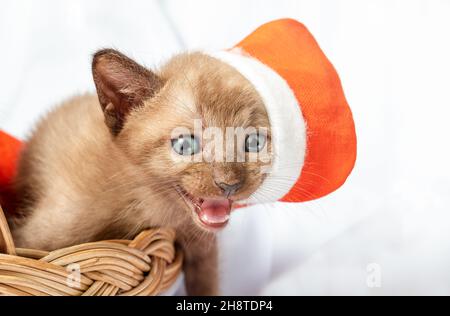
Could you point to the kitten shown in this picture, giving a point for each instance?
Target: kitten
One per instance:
(102, 166)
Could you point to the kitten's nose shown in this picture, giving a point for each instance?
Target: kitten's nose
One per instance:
(229, 189)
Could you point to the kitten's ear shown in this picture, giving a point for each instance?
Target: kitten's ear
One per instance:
(121, 85)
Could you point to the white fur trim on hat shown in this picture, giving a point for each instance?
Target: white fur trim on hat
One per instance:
(288, 127)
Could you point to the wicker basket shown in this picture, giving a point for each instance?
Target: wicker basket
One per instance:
(147, 265)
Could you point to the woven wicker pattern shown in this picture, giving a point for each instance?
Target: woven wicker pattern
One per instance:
(147, 265)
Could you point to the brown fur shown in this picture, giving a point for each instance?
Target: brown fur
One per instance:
(81, 180)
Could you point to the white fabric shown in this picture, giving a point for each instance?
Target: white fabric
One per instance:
(392, 57)
(288, 127)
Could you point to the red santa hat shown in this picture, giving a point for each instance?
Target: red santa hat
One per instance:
(313, 133)
(9, 156)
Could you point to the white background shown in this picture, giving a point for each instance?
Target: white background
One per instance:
(393, 59)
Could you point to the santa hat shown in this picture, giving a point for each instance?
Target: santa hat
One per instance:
(313, 133)
(9, 157)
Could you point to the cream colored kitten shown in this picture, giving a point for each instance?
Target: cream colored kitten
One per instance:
(82, 180)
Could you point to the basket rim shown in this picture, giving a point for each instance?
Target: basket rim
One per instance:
(146, 265)
(6, 239)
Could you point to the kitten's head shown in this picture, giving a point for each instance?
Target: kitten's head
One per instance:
(197, 129)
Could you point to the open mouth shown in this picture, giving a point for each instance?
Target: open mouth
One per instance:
(212, 213)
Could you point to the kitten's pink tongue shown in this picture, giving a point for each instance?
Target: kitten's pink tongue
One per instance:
(215, 212)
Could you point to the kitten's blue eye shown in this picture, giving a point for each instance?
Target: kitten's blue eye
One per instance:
(186, 145)
(255, 143)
